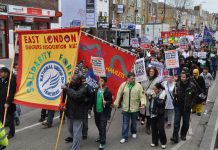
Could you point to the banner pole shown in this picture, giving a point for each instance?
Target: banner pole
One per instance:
(11, 73)
(62, 117)
(115, 110)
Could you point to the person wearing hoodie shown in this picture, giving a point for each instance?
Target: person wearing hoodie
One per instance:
(201, 89)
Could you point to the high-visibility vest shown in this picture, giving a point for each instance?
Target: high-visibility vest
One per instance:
(3, 136)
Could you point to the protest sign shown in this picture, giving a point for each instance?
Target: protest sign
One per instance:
(139, 69)
(171, 59)
(145, 43)
(202, 55)
(134, 42)
(98, 66)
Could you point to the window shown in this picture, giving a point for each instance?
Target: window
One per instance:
(2, 40)
(149, 8)
(100, 13)
(105, 13)
(124, 2)
(105, 1)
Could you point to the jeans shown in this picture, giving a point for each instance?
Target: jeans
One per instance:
(75, 127)
(85, 126)
(158, 131)
(185, 115)
(126, 119)
(50, 116)
(169, 115)
(17, 112)
(101, 123)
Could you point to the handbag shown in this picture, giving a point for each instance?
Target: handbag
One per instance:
(121, 97)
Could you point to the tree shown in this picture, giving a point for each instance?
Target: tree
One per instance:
(180, 6)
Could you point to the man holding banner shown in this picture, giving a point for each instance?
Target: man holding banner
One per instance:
(78, 100)
(7, 102)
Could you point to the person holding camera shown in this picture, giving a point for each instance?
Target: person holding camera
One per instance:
(130, 95)
(157, 110)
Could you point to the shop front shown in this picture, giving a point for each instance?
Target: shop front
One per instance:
(20, 18)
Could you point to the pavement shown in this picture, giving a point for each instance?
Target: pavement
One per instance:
(31, 136)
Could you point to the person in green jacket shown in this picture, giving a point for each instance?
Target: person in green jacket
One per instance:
(130, 95)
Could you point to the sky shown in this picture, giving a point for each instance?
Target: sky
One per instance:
(209, 5)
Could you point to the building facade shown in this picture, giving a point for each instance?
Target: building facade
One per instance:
(23, 15)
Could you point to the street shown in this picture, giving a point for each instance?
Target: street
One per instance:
(31, 136)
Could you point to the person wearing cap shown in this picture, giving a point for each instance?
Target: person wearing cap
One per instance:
(101, 101)
(201, 88)
(7, 102)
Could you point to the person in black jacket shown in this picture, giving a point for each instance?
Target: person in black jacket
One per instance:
(185, 94)
(77, 102)
(157, 109)
(102, 100)
(201, 90)
(7, 102)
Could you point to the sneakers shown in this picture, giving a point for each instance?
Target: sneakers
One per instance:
(17, 122)
(134, 136)
(89, 116)
(183, 138)
(41, 119)
(153, 145)
(174, 140)
(46, 125)
(199, 114)
(123, 141)
(101, 146)
(10, 136)
(163, 146)
(97, 140)
(69, 139)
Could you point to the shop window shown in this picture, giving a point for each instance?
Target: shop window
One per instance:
(2, 40)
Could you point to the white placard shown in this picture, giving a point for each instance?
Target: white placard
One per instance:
(202, 55)
(171, 59)
(139, 69)
(98, 66)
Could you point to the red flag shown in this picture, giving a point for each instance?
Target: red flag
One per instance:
(117, 62)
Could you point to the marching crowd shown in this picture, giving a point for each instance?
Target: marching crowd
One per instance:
(157, 103)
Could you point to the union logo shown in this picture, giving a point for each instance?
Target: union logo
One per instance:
(50, 78)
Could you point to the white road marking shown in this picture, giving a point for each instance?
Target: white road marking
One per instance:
(33, 125)
(181, 143)
(190, 130)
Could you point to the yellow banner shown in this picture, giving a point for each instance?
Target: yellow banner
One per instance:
(47, 59)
